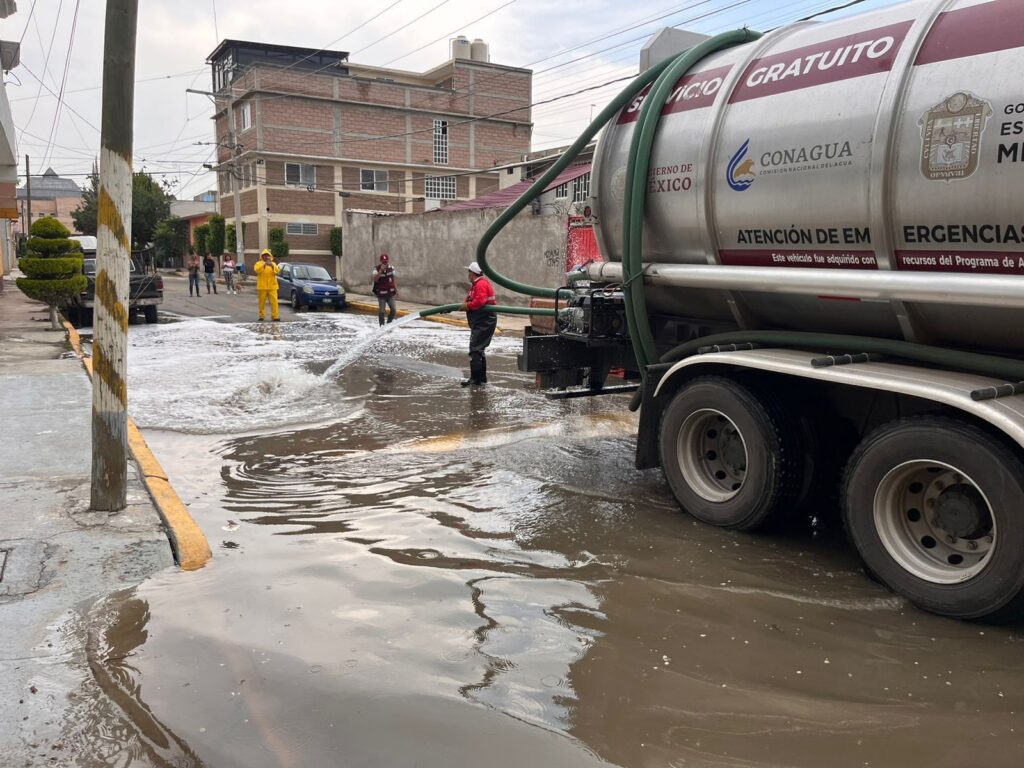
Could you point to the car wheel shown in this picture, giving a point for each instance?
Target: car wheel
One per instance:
(296, 304)
(933, 506)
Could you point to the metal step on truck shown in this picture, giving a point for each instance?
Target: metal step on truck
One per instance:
(813, 246)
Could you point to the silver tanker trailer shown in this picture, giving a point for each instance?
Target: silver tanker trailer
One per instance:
(832, 266)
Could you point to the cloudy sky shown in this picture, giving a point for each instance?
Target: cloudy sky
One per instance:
(570, 45)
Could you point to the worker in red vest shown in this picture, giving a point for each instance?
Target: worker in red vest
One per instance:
(384, 288)
(481, 323)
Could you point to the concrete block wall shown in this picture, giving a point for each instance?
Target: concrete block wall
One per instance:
(430, 252)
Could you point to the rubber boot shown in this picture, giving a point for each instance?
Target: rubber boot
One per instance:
(476, 375)
(483, 370)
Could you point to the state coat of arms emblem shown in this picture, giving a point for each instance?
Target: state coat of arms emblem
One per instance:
(951, 136)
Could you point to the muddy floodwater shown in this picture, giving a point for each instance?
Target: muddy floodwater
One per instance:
(406, 573)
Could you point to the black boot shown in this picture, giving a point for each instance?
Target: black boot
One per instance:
(483, 370)
(477, 375)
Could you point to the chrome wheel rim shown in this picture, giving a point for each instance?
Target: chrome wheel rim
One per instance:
(934, 521)
(712, 455)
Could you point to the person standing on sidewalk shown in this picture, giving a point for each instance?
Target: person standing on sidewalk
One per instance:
(193, 272)
(266, 284)
(481, 323)
(384, 288)
(229, 274)
(210, 268)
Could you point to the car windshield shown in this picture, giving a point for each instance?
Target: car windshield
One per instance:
(89, 266)
(310, 273)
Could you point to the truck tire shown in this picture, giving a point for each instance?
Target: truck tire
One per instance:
(731, 458)
(150, 313)
(935, 507)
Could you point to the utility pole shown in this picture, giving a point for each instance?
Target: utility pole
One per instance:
(113, 255)
(236, 150)
(28, 197)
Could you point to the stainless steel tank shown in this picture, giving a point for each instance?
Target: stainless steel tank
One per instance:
(892, 140)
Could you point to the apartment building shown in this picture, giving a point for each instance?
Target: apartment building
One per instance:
(307, 134)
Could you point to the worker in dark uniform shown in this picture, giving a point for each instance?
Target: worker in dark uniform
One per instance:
(384, 288)
(481, 323)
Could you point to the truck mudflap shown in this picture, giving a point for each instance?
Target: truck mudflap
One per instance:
(652, 405)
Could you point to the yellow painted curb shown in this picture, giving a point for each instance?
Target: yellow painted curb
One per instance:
(188, 542)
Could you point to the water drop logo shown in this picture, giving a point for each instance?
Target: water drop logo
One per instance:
(740, 173)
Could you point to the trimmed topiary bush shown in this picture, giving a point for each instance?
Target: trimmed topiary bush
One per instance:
(52, 266)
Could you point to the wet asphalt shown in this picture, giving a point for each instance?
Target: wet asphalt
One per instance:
(409, 573)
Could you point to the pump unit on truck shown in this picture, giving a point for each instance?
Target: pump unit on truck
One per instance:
(814, 263)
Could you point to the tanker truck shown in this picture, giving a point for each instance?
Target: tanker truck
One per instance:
(813, 272)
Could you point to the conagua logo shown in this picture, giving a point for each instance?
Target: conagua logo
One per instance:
(740, 172)
(951, 136)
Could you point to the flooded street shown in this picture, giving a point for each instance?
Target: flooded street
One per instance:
(407, 573)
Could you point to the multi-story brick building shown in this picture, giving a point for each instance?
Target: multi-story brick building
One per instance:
(315, 134)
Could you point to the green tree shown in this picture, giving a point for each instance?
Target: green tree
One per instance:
(53, 266)
(215, 238)
(168, 241)
(84, 215)
(201, 240)
(151, 204)
(278, 245)
(336, 240)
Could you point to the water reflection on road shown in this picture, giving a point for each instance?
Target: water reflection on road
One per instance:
(407, 573)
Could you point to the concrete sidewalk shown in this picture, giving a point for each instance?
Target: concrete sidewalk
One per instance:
(56, 557)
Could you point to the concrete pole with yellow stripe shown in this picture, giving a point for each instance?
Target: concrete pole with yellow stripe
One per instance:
(113, 255)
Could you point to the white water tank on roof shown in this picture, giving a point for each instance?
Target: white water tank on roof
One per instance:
(479, 51)
(461, 47)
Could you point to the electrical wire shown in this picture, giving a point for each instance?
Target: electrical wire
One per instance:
(46, 61)
(24, 32)
(404, 26)
(449, 34)
(64, 79)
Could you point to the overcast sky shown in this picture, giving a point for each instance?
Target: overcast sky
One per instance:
(571, 44)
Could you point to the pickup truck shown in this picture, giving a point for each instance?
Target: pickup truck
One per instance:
(145, 293)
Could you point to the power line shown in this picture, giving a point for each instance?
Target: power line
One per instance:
(442, 37)
(64, 79)
(24, 32)
(46, 61)
(396, 31)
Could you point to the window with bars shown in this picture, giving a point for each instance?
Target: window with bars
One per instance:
(301, 228)
(581, 188)
(440, 142)
(439, 187)
(246, 178)
(373, 181)
(562, 191)
(299, 175)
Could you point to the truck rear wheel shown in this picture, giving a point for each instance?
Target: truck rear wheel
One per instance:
(731, 458)
(933, 505)
(150, 313)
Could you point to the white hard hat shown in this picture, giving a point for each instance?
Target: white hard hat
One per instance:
(475, 268)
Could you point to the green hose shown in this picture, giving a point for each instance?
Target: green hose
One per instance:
(638, 165)
(446, 308)
(535, 189)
